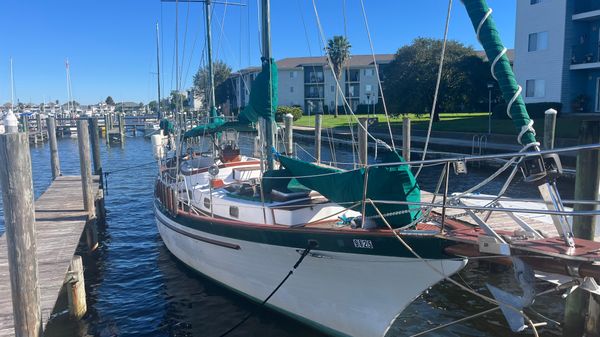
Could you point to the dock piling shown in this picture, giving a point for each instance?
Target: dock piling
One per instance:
(54, 160)
(549, 128)
(122, 128)
(288, 120)
(318, 127)
(406, 138)
(85, 165)
(95, 143)
(19, 219)
(363, 142)
(587, 184)
(76, 288)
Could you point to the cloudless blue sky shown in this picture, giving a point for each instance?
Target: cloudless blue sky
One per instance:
(111, 43)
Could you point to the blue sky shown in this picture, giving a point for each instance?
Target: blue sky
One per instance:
(111, 43)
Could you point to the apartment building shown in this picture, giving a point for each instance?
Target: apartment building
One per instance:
(309, 83)
(557, 53)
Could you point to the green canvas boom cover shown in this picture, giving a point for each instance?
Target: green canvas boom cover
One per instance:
(263, 96)
(390, 183)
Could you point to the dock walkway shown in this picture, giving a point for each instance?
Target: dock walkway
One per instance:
(60, 222)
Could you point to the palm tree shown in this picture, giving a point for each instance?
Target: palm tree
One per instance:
(338, 50)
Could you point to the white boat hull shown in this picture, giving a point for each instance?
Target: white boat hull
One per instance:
(339, 293)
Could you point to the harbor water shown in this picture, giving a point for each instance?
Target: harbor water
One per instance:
(137, 288)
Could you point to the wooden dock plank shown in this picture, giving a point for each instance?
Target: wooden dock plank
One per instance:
(60, 221)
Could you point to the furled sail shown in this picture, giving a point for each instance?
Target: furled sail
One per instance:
(488, 35)
(263, 96)
(389, 183)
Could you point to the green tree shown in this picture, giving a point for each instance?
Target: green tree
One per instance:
(178, 101)
(153, 106)
(338, 50)
(109, 101)
(221, 74)
(410, 78)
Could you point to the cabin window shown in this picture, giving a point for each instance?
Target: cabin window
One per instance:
(207, 203)
(234, 211)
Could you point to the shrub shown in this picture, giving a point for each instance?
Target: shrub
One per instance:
(535, 110)
(295, 111)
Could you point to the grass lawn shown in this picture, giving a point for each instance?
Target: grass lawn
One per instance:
(457, 122)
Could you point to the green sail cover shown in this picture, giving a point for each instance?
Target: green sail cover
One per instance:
(392, 183)
(166, 126)
(201, 130)
(263, 95)
(490, 39)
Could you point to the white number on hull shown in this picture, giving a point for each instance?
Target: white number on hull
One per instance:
(358, 243)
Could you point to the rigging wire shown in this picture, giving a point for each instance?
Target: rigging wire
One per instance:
(187, 15)
(437, 85)
(385, 110)
(322, 37)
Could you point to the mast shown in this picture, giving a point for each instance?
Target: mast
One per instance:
(211, 75)
(159, 114)
(12, 86)
(266, 51)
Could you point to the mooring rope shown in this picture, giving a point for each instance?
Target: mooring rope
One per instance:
(105, 174)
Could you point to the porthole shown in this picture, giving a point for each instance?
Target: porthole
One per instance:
(234, 211)
(207, 203)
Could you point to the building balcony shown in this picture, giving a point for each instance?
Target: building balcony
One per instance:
(585, 66)
(586, 10)
(587, 16)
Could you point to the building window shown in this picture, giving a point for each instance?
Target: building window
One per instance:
(291, 89)
(368, 88)
(533, 2)
(538, 41)
(535, 88)
(332, 88)
(293, 74)
(369, 72)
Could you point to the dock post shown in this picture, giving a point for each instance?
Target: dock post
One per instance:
(86, 183)
(95, 143)
(19, 220)
(406, 139)
(587, 183)
(122, 127)
(288, 120)
(39, 132)
(318, 127)
(76, 288)
(549, 128)
(54, 161)
(25, 123)
(363, 142)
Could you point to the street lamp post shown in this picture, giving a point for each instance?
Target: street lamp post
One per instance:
(490, 87)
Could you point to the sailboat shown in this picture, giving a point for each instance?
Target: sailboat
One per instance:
(356, 240)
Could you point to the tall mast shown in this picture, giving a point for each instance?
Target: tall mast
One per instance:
(211, 75)
(158, 69)
(12, 86)
(266, 52)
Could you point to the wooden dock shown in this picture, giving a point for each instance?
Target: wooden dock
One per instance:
(60, 222)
